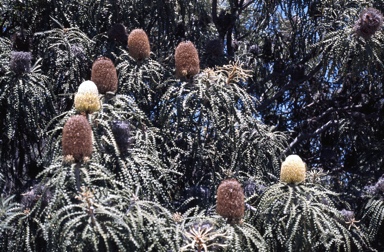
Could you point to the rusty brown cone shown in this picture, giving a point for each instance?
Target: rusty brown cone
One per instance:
(77, 138)
(104, 75)
(138, 45)
(214, 47)
(230, 200)
(117, 32)
(186, 60)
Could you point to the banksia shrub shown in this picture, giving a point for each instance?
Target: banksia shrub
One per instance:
(77, 138)
(186, 60)
(20, 62)
(104, 75)
(369, 22)
(138, 45)
(87, 98)
(118, 33)
(230, 200)
(292, 170)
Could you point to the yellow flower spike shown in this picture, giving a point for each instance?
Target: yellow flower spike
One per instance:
(87, 98)
(292, 170)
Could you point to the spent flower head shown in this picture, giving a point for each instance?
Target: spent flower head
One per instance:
(20, 62)
(369, 22)
(118, 33)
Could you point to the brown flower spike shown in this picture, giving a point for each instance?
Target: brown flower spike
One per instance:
(214, 47)
(118, 33)
(186, 60)
(369, 22)
(77, 138)
(20, 62)
(138, 45)
(292, 170)
(104, 75)
(121, 132)
(230, 200)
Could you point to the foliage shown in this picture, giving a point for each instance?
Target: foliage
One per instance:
(16, 228)
(372, 213)
(141, 81)
(66, 61)
(303, 217)
(374, 216)
(193, 115)
(197, 231)
(27, 105)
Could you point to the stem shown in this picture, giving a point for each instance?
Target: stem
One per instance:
(77, 176)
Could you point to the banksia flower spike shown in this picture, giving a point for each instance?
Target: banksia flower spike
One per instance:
(20, 42)
(186, 60)
(20, 62)
(118, 33)
(138, 45)
(87, 98)
(292, 170)
(214, 47)
(369, 22)
(104, 75)
(77, 139)
(121, 131)
(78, 52)
(230, 201)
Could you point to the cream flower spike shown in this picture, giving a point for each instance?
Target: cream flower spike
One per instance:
(87, 98)
(292, 170)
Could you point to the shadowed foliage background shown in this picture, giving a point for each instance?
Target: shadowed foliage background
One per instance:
(270, 79)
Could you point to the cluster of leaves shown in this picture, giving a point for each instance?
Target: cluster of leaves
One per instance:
(304, 218)
(321, 80)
